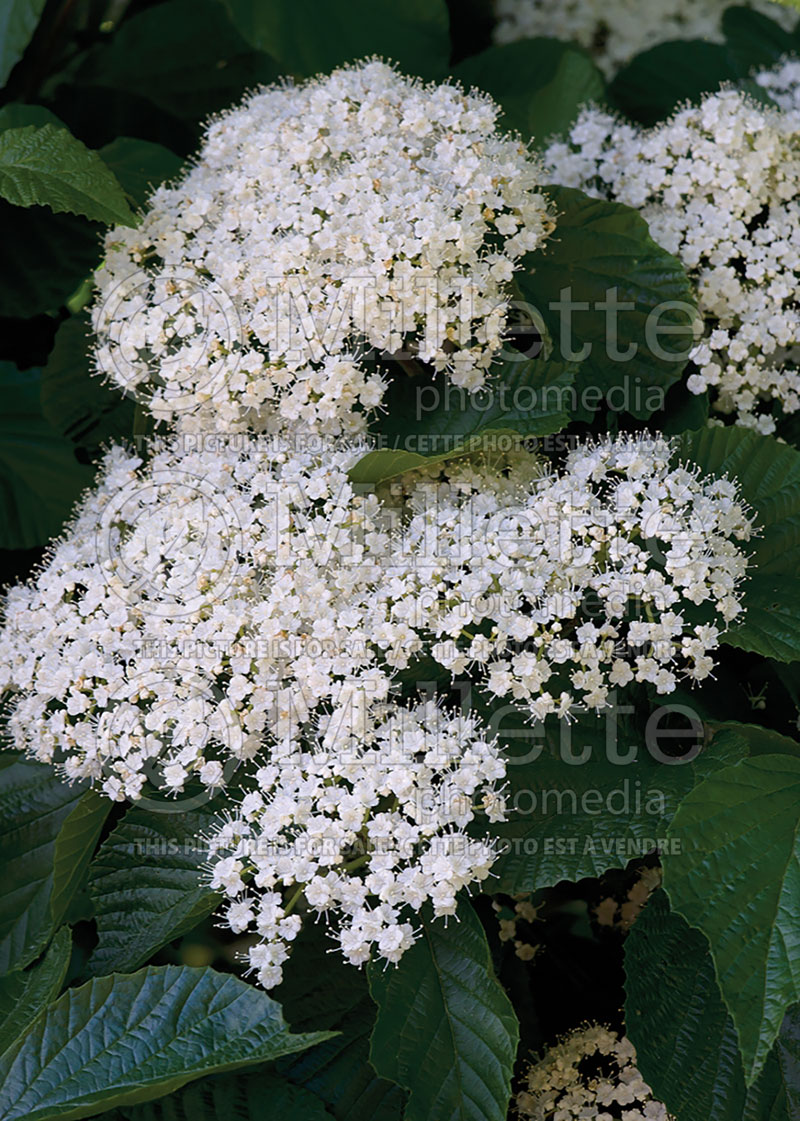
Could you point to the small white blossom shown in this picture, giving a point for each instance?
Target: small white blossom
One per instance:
(616, 30)
(718, 185)
(365, 836)
(553, 588)
(362, 210)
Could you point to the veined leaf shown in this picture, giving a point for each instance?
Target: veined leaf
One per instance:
(684, 1036)
(320, 990)
(737, 878)
(591, 794)
(126, 1039)
(147, 886)
(47, 166)
(446, 1030)
(768, 474)
(613, 301)
(47, 833)
(25, 993)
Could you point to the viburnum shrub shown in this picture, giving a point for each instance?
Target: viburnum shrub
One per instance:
(403, 533)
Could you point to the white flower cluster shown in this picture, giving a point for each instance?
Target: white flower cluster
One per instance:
(216, 602)
(371, 835)
(321, 223)
(782, 83)
(552, 589)
(719, 185)
(589, 1076)
(616, 30)
(199, 606)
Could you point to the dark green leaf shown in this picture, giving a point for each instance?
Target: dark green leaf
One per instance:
(129, 1038)
(25, 993)
(183, 55)
(245, 1096)
(602, 261)
(755, 41)
(431, 420)
(48, 831)
(18, 20)
(540, 83)
(736, 878)
(307, 38)
(320, 990)
(445, 1029)
(140, 166)
(17, 115)
(40, 478)
(591, 794)
(768, 474)
(530, 397)
(47, 166)
(657, 81)
(684, 1037)
(147, 886)
(45, 258)
(77, 404)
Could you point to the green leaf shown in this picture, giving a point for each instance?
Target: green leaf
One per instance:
(18, 21)
(445, 1029)
(591, 794)
(78, 405)
(755, 739)
(140, 166)
(147, 886)
(653, 85)
(40, 478)
(24, 994)
(737, 878)
(74, 846)
(768, 474)
(308, 38)
(46, 256)
(684, 1037)
(235, 1097)
(429, 421)
(602, 274)
(320, 990)
(47, 166)
(788, 1051)
(530, 397)
(184, 56)
(18, 114)
(46, 827)
(126, 1039)
(383, 463)
(754, 41)
(540, 84)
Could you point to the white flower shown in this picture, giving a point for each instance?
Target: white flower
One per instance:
(718, 186)
(554, 588)
(616, 30)
(416, 780)
(181, 629)
(200, 606)
(362, 210)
